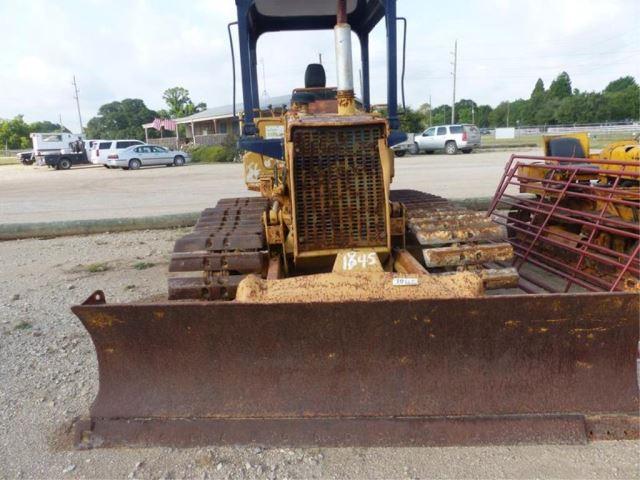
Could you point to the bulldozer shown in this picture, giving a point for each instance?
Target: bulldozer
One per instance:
(578, 213)
(333, 310)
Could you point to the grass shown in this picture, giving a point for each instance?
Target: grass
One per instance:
(597, 140)
(489, 141)
(97, 267)
(22, 326)
(143, 265)
(9, 161)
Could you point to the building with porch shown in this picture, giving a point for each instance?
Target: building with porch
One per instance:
(211, 126)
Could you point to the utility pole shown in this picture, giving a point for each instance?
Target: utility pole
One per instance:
(430, 109)
(320, 58)
(455, 73)
(264, 82)
(473, 114)
(508, 108)
(75, 87)
(60, 122)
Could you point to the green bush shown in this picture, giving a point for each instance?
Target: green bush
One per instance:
(214, 154)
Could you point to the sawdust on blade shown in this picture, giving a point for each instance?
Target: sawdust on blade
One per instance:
(344, 287)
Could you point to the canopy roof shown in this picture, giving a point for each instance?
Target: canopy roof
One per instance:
(279, 15)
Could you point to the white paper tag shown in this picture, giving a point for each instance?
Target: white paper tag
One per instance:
(274, 131)
(404, 281)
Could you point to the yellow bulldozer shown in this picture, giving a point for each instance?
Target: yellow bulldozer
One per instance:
(331, 309)
(579, 217)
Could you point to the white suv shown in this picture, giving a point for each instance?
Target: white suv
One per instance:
(101, 149)
(449, 138)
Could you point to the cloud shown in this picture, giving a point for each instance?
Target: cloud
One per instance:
(123, 49)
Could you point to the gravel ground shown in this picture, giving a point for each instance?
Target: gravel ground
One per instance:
(48, 376)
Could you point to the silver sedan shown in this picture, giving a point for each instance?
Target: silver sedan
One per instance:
(138, 156)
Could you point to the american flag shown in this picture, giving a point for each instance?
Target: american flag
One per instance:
(165, 123)
(169, 124)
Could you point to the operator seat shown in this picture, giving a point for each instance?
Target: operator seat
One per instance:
(315, 92)
(314, 76)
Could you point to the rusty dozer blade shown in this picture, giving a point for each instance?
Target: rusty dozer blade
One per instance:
(557, 368)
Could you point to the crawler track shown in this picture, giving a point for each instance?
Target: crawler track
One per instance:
(448, 237)
(227, 244)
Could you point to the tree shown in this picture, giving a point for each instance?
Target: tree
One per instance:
(412, 120)
(621, 84)
(180, 103)
(561, 86)
(482, 115)
(537, 95)
(14, 133)
(120, 120)
(46, 126)
(498, 116)
(465, 111)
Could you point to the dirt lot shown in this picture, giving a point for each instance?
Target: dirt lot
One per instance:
(48, 374)
(39, 194)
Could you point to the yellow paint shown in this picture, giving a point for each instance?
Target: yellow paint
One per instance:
(624, 151)
(101, 320)
(357, 260)
(586, 365)
(582, 137)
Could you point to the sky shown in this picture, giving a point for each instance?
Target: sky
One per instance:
(121, 49)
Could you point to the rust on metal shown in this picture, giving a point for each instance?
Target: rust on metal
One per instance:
(437, 235)
(486, 370)
(583, 225)
(338, 204)
(467, 254)
(228, 243)
(407, 263)
(496, 278)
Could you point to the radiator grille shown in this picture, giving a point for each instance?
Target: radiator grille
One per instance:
(339, 187)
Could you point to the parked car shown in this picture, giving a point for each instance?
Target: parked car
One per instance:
(449, 138)
(101, 150)
(137, 156)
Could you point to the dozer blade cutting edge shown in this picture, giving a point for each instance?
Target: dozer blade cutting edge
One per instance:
(490, 370)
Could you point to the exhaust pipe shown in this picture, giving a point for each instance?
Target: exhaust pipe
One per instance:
(342, 33)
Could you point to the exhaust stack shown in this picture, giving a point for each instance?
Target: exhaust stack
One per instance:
(342, 33)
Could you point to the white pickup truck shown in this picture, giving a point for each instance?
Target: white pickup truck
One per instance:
(450, 138)
(54, 142)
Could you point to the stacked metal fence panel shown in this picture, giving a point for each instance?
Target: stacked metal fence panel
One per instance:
(579, 221)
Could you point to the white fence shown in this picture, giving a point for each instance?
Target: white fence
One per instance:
(172, 142)
(12, 152)
(593, 129)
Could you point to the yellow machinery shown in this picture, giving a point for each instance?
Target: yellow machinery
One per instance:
(583, 221)
(333, 310)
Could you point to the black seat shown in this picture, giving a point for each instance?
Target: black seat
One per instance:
(314, 76)
(566, 148)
